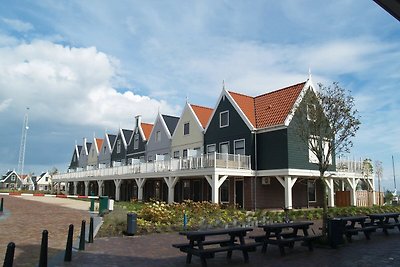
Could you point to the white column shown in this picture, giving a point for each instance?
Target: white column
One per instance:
(140, 183)
(215, 184)
(371, 183)
(353, 185)
(86, 188)
(100, 186)
(171, 182)
(117, 183)
(287, 184)
(75, 188)
(66, 188)
(331, 191)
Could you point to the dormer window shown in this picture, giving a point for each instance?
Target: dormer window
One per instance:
(186, 128)
(118, 146)
(224, 119)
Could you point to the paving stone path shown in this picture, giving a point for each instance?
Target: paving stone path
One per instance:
(28, 218)
(26, 221)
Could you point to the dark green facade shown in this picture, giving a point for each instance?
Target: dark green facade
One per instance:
(236, 130)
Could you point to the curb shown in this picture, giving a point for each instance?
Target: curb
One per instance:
(45, 195)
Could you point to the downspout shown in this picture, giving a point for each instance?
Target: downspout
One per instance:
(255, 170)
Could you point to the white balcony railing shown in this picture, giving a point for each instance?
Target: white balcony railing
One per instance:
(215, 160)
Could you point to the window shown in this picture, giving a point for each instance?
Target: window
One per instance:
(150, 158)
(47, 179)
(312, 190)
(104, 149)
(136, 141)
(224, 119)
(211, 148)
(185, 153)
(239, 147)
(224, 147)
(186, 189)
(119, 146)
(13, 178)
(186, 128)
(311, 112)
(224, 191)
(158, 136)
(176, 154)
(313, 142)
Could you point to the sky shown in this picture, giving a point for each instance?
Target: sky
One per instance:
(89, 67)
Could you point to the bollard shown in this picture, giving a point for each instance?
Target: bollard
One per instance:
(1, 205)
(9, 258)
(131, 225)
(82, 237)
(184, 221)
(91, 230)
(43, 249)
(92, 204)
(68, 248)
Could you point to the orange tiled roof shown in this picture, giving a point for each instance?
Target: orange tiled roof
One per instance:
(202, 113)
(99, 143)
(274, 107)
(246, 104)
(269, 109)
(146, 127)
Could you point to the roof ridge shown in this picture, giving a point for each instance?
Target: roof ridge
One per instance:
(241, 94)
(201, 106)
(281, 89)
(169, 116)
(146, 123)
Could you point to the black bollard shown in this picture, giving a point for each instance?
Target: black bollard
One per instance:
(43, 249)
(82, 237)
(68, 249)
(1, 205)
(91, 230)
(9, 258)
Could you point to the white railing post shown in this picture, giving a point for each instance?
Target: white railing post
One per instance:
(238, 161)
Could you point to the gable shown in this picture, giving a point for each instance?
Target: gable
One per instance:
(170, 122)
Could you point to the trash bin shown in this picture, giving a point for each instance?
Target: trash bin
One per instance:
(92, 204)
(103, 204)
(131, 223)
(335, 232)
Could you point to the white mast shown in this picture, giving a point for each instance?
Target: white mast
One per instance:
(21, 159)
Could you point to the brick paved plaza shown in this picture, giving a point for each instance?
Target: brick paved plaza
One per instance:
(29, 218)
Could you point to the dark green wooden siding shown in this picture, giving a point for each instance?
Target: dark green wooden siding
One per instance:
(272, 150)
(237, 129)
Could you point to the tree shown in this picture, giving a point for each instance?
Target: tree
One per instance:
(379, 172)
(327, 121)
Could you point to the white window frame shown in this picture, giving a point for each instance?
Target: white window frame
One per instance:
(220, 121)
(309, 107)
(211, 145)
(308, 190)
(158, 136)
(225, 183)
(188, 128)
(176, 154)
(244, 146)
(312, 157)
(221, 144)
(118, 146)
(185, 153)
(136, 141)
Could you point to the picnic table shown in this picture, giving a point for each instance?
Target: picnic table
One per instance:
(199, 246)
(385, 220)
(274, 235)
(355, 224)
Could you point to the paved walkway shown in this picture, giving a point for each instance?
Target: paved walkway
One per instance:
(26, 220)
(156, 250)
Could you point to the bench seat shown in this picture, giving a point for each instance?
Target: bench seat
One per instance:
(221, 242)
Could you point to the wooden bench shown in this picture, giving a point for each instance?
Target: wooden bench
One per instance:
(367, 230)
(222, 243)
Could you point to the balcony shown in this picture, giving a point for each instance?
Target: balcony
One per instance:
(216, 160)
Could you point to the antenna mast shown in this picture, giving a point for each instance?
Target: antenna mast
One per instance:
(394, 177)
(21, 160)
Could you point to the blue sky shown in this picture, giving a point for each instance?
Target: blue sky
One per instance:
(86, 67)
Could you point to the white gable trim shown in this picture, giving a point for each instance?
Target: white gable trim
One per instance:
(188, 107)
(235, 105)
(160, 119)
(307, 85)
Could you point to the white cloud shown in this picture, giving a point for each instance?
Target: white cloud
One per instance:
(5, 104)
(71, 86)
(18, 25)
